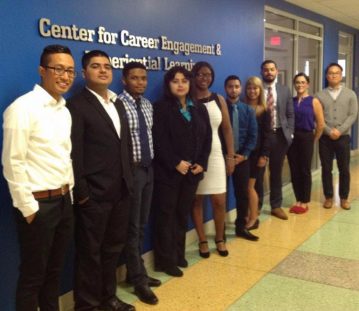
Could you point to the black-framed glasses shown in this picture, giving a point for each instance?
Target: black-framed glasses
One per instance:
(61, 71)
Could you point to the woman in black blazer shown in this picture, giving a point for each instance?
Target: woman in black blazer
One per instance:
(182, 141)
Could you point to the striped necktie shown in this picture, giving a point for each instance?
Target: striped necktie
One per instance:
(270, 106)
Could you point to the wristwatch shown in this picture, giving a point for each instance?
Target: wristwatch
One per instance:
(245, 157)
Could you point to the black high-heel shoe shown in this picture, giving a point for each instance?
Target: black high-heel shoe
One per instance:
(203, 254)
(221, 253)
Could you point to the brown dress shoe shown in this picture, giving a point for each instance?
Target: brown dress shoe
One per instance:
(344, 204)
(279, 213)
(328, 203)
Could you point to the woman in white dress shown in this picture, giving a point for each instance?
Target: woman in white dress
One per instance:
(214, 181)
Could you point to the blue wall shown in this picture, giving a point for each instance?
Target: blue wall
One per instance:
(236, 24)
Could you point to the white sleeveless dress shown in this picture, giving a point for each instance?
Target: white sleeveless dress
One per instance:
(214, 181)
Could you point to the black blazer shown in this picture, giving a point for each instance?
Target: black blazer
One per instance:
(172, 142)
(101, 160)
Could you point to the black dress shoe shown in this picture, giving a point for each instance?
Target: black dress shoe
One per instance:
(145, 294)
(171, 270)
(255, 225)
(245, 234)
(183, 263)
(116, 304)
(152, 282)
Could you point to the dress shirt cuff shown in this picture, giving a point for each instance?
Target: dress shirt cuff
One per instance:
(327, 130)
(246, 153)
(29, 208)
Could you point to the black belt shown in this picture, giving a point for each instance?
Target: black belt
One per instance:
(140, 164)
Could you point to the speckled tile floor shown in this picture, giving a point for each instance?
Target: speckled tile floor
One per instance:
(308, 263)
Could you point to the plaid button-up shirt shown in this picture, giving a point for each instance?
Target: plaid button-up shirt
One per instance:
(131, 113)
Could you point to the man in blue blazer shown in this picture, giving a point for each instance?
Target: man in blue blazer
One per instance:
(103, 180)
(280, 107)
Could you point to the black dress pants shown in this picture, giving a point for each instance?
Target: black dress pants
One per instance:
(279, 147)
(240, 178)
(140, 204)
(100, 236)
(172, 206)
(340, 149)
(43, 245)
(300, 155)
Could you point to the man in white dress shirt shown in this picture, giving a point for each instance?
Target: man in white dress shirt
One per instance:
(38, 169)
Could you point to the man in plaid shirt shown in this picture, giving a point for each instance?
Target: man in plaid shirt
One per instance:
(139, 113)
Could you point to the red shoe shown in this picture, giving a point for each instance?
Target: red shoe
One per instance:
(297, 209)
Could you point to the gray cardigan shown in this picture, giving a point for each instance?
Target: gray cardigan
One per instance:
(340, 113)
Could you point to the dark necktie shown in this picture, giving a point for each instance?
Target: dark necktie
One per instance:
(235, 128)
(270, 106)
(144, 140)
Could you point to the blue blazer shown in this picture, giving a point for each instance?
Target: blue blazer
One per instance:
(247, 126)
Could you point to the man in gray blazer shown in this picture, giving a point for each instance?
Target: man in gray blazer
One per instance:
(340, 107)
(280, 107)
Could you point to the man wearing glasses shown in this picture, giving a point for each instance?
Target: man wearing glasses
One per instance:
(340, 112)
(103, 179)
(38, 169)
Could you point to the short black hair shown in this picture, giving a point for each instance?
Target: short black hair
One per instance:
(94, 53)
(333, 65)
(268, 61)
(169, 76)
(52, 49)
(197, 66)
(232, 77)
(132, 65)
(301, 74)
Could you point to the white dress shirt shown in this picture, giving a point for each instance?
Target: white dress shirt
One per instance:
(110, 108)
(36, 147)
(334, 92)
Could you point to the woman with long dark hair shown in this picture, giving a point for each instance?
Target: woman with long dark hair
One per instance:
(182, 142)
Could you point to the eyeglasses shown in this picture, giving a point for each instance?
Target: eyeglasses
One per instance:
(336, 73)
(204, 75)
(61, 71)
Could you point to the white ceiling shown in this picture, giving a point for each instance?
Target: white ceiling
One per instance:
(344, 11)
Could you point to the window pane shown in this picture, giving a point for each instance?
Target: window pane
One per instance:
(308, 61)
(279, 20)
(279, 47)
(310, 29)
(344, 41)
(345, 57)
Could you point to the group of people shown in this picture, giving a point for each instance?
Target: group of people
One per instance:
(96, 164)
